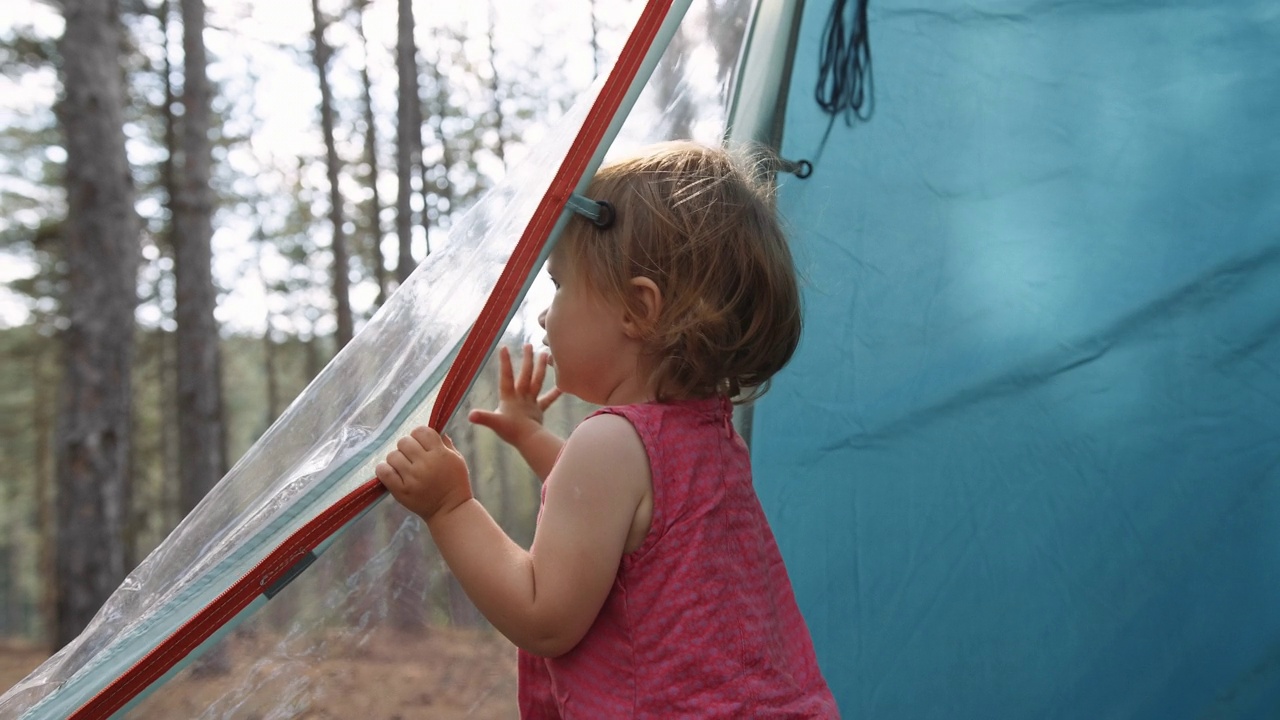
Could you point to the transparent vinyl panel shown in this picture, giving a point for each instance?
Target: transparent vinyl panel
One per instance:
(376, 626)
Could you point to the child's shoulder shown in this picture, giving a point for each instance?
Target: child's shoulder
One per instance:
(714, 406)
(693, 405)
(661, 418)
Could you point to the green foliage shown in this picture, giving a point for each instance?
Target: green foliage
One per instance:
(29, 378)
(27, 412)
(26, 51)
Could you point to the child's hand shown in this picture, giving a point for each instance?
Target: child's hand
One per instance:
(426, 473)
(520, 408)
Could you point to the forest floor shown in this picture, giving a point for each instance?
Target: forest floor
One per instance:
(444, 673)
(17, 660)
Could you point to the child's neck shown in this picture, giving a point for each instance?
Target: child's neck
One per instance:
(634, 389)
(628, 394)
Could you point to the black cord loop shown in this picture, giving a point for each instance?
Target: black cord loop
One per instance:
(845, 83)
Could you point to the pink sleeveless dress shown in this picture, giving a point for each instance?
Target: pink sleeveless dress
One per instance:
(701, 621)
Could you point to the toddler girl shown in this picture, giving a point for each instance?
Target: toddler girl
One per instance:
(653, 587)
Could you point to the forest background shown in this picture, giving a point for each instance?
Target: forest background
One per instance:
(200, 205)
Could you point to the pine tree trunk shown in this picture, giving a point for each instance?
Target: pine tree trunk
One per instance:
(425, 218)
(321, 52)
(102, 256)
(408, 610)
(201, 436)
(495, 94)
(270, 363)
(313, 352)
(43, 419)
(371, 157)
(171, 493)
(200, 454)
(595, 41)
(436, 111)
(408, 136)
(270, 349)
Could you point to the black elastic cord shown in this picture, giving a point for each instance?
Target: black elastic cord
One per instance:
(845, 83)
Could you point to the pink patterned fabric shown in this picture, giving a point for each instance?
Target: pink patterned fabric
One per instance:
(701, 621)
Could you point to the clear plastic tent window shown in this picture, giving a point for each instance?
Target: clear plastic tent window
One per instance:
(376, 623)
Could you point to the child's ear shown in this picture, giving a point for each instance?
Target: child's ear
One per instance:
(637, 318)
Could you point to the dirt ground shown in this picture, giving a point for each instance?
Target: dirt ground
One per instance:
(444, 673)
(17, 660)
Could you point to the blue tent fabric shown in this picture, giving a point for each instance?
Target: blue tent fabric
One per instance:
(1026, 461)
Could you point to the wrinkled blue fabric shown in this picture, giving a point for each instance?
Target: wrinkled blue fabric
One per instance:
(1026, 461)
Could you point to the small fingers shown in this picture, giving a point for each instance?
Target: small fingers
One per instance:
(495, 421)
(539, 372)
(409, 447)
(425, 437)
(523, 383)
(388, 476)
(549, 397)
(399, 465)
(506, 382)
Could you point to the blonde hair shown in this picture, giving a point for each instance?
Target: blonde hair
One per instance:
(700, 223)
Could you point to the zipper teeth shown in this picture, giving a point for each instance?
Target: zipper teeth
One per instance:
(227, 604)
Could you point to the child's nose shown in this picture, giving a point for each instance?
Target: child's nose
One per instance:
(542, 319)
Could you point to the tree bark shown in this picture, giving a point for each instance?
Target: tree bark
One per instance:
(436, 110)
(171, 505)
(595, 41)
(312, 361)
(371, 157)
(408, 611)
(102, 256)
(42, 417)
(495, 92)
(201, 457)
(408, 136)
(424, 219)
(321, 52)
(201, 435)
(270, 350)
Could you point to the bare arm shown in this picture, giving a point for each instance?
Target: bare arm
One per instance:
(518, 419)
(540, 450)
(544, 599)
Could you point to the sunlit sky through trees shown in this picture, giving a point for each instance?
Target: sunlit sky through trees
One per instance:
(268, 98)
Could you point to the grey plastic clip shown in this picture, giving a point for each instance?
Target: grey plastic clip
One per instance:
(800, 168)
(599, 212)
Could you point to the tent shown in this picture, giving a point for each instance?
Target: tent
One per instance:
(1024, 464)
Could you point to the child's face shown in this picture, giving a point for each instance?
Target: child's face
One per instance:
(594, 358)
